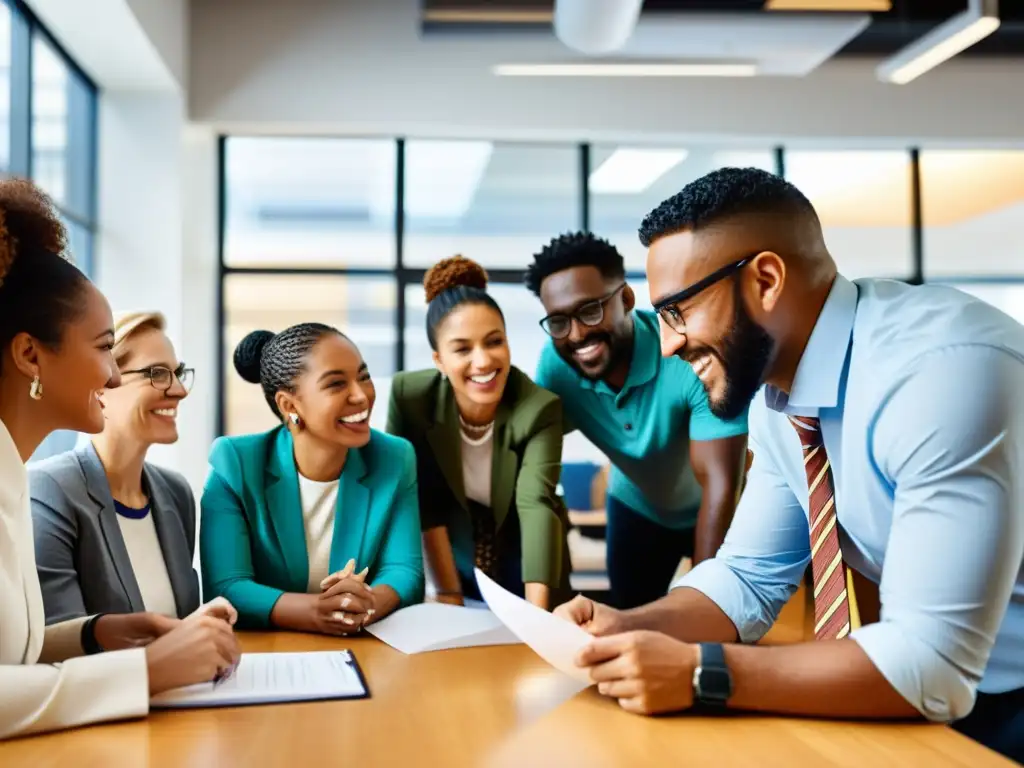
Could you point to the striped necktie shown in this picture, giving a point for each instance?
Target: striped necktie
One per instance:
(835, 611)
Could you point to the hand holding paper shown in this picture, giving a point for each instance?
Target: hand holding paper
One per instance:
(555, 640)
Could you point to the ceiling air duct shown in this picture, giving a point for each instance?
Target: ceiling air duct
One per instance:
(596, 27)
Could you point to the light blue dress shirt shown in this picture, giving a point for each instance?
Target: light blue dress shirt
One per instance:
(920, 392)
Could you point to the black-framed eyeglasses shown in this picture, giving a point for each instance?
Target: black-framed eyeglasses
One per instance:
(559, 325)
(668, 308)
(162, 378)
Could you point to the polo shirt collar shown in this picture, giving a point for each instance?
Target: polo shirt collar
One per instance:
(820, 371)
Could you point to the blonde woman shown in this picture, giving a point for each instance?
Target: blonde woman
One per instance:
(113, 533)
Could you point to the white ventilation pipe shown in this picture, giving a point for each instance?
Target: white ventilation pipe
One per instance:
(596, 27)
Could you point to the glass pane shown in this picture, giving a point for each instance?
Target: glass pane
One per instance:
(49, 120)
(1008, 297)
(626, 183)
(301, 202)
(972, 204)
(495, 203)
(863, 199)
(5, 87)
(362, 308)
(80, 245)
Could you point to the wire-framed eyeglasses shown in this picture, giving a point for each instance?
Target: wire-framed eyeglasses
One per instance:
(162, 377)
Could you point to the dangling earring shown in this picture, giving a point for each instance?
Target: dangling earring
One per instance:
(35, 391)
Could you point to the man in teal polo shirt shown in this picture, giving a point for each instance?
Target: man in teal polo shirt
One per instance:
(676, 467)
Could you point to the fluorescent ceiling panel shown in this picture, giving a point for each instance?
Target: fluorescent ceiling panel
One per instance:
(628, 171)
(872, 6)
(944, 42)
(441, 177)
(625, 70)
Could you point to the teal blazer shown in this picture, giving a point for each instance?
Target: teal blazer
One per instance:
(252, 543)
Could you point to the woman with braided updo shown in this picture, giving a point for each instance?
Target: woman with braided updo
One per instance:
(488, 448)
(314, 525)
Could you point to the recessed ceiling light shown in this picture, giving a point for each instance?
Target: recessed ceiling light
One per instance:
(625, 70)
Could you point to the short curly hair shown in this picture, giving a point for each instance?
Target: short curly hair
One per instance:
(719, 195)
(451, 283)
(575, 249)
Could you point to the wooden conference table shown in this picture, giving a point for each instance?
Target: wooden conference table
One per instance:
(491, 707)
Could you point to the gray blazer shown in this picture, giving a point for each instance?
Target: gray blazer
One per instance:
(80, 554)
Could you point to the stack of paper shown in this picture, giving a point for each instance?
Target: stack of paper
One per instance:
(437, 627)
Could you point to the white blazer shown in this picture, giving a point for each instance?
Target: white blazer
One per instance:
(39, 694)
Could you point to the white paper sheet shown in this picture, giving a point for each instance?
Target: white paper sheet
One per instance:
(438, 626)
(264, 678)
(553, 639)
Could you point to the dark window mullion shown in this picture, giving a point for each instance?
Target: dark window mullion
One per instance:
(21, 95)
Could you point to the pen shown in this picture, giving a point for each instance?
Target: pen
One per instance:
(224, 674)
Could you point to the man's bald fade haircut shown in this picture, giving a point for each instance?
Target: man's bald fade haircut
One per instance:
(727, 194)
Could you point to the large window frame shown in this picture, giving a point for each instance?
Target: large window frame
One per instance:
(405, 276)
(26, 29)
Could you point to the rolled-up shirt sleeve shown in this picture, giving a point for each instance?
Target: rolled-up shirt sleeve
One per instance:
(763, 558)
(951, 447)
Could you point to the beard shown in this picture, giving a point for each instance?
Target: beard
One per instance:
(744, 354)
(618, 347)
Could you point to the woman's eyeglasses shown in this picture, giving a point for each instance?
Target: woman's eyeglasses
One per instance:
(559, 325)
(162, 378)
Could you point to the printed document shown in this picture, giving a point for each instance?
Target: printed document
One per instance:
(267, 678)
(438, 627)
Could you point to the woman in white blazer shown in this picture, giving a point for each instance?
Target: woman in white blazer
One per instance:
(56, 333)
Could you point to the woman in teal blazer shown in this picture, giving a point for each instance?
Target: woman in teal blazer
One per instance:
(313, 526)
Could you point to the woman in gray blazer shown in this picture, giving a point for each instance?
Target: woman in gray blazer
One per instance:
(113, 533)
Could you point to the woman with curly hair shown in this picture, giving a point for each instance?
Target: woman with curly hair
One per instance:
(488, 449)
(56, 337)
(313, 526)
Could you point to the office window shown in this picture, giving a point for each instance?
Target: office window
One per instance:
(5, 87)
(310, 202)
(363, 308)
(626, 183)
(495, 203)
(972, 206)
(863, 199)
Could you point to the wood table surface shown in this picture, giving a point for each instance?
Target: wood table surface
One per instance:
(492, 707)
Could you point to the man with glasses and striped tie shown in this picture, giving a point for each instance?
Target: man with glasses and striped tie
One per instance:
(888, 450)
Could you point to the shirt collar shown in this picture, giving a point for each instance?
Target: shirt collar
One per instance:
(818, 375)
(644, 364)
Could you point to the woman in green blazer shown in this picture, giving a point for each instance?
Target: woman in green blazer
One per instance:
(313, 526)
(488, 449)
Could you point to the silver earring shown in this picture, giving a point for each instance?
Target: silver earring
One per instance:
(35, 391)
(295, 419)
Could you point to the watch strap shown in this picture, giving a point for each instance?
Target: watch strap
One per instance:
(712, 683)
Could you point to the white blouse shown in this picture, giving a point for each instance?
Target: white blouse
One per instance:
(38, 694)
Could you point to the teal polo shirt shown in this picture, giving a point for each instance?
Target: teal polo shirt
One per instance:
(645, 429)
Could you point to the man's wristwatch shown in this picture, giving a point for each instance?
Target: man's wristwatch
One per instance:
(712, 683)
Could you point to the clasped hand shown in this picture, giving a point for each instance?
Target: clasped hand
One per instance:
(647, 672)
(346, 602)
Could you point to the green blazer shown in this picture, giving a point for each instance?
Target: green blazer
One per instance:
(252, 540)
(527, 462)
